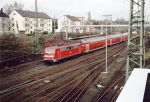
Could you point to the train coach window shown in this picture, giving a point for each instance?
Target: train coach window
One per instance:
(69, 48)
(63, 49)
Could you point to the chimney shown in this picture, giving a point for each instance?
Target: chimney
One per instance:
(1, 9)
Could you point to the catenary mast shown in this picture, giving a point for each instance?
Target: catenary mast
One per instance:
(135, 45)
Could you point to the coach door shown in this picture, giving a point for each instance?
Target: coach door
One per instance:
(87, 47)
(110, 41)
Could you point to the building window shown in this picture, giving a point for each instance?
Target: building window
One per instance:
(42, 25)
(13, 24)
(12, 19)
(26, 19)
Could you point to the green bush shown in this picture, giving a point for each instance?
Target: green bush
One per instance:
(45, 32)
(31, 34)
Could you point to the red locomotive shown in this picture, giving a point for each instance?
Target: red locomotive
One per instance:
(57, 53)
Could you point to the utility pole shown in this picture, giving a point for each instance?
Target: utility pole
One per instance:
(36, 30)
(66, 32)
(54, 23)
(135, 45)
(101, 28)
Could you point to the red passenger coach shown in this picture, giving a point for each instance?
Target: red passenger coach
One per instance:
(95, 43)
(57, 53)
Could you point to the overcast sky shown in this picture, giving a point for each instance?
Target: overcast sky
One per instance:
(116, 8)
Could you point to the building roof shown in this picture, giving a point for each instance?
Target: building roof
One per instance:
(73, 18)
(32, 14)
(2, 14)
(135, 88)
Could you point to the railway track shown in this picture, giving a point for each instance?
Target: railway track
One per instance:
(16, 58)
(74, 94)
(43, 99)
(113, 87)
(47, 78)
(19, 68)
(76, 62)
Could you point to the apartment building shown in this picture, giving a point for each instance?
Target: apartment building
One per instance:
(24, 22)
(68, 20)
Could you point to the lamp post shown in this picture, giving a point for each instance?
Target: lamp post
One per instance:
(106, 43)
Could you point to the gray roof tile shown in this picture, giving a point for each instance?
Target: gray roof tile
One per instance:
(73, 18)
(32, 14)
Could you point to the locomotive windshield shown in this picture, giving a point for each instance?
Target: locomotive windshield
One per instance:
(49, 50)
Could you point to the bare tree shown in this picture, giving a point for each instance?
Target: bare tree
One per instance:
(8, 8)
(120, 21)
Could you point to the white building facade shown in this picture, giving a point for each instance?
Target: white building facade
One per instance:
(4, 22)
(68, 20)
(25, 22)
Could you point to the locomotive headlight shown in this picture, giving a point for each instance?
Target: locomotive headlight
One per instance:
(49, 56)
